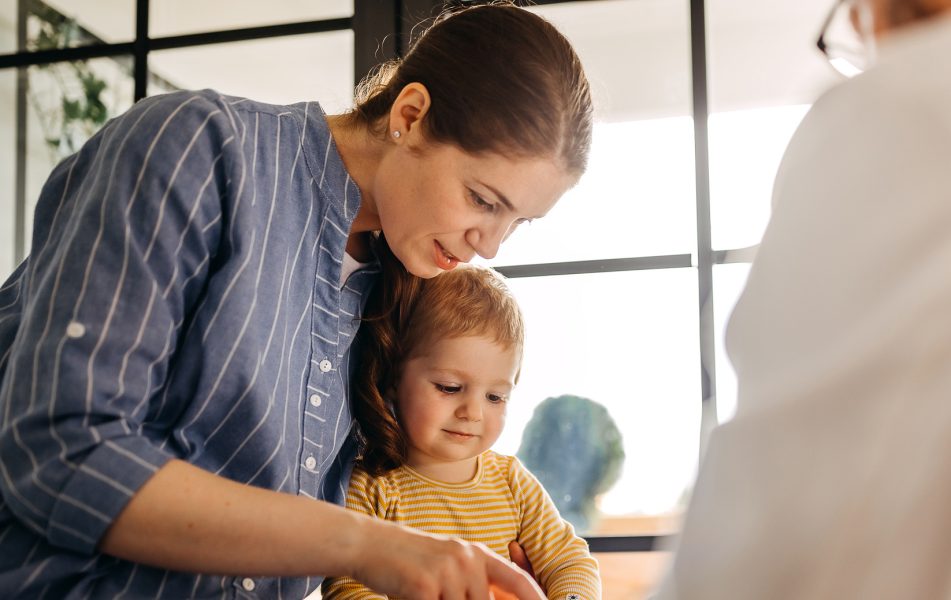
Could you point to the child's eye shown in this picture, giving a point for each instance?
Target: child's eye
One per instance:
(495, 398)
(447, 389)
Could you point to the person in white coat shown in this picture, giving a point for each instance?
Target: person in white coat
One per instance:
(834, 478)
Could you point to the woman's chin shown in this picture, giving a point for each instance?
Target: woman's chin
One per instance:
(423, 271)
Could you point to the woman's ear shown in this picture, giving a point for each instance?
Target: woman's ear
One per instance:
(408, 110)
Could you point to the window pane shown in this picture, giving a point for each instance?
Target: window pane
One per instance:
(728, 283)
(67, 103)
(636, 54)
(66, 23)
(177, 17)
(8, 26)
(631, 575)
(765, 71)
(279, 70)
(8, 136)
(70, 23)
(746, 147)
(637, 198)
(627, 341)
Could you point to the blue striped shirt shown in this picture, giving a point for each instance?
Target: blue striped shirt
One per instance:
(182, 300)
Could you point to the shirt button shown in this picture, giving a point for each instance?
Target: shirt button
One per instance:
(315, 400)
(325, 365)
(310, 463)
(75, 330)
(248, 584)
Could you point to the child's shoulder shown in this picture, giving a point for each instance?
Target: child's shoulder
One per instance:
(393, 480)
(363, 480)
(505, 465)
(496, 459)
(511, 469)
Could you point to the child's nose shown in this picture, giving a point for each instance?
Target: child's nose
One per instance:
(470, 409)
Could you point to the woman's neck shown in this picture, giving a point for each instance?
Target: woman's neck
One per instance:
(361, 153)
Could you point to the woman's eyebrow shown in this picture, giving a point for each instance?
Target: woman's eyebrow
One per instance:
(499, 195)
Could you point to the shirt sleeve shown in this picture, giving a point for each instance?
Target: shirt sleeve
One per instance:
(562, 563)
(124, 234)
(367, 495)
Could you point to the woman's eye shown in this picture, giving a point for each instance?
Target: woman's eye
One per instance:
(447, 389)
(480, 201)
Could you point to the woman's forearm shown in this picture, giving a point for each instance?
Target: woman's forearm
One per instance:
(187, 519)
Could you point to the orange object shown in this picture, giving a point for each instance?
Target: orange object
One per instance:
(501, 594)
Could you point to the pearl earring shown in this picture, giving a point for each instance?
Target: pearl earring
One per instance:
(396, 134)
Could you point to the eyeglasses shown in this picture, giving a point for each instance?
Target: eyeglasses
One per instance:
(846, 38)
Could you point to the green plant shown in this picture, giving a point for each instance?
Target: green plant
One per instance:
(81, 108)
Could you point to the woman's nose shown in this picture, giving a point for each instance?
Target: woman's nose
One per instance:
(485, 240)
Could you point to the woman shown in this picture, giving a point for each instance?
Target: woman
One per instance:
(175, 352)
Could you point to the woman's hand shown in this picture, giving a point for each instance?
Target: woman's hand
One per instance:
(402, 562)
(184, 518)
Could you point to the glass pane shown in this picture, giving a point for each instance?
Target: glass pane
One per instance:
(70, 23)
(627, 342)
(8, 26)
(637, 198)
(67, 103)
(631, 575)
(765, 71)
(8, 135)
(278, 70)
(746, 147)
(177, 17)
(728, 283)
(636, 54)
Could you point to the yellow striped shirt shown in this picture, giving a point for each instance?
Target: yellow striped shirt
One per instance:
(503, 502)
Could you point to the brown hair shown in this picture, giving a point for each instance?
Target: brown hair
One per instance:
(501, 79)
(903, 12)
(467, 301)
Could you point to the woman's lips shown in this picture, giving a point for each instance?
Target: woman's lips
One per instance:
(444, 260)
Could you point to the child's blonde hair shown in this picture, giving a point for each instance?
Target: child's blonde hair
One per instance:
(405, 315)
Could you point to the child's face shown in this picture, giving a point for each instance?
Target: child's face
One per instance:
(451, 401)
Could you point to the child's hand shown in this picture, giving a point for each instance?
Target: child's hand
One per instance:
(518, 556)
(500, 594)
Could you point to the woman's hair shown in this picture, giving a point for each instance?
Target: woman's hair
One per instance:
(404, 316)
(904, 12)
(500, 78)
